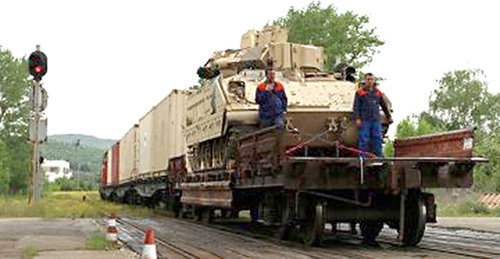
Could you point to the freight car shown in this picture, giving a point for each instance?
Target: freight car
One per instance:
(199, 151)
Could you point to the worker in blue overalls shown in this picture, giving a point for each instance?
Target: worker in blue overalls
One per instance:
(272, 100)
(367, 105)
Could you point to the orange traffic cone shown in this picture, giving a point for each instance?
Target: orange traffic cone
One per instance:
(149, 249)
(112, 230)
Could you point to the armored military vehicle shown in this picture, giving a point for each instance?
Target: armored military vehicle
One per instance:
(320, 104)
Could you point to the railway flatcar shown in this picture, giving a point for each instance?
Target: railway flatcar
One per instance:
(201, 151)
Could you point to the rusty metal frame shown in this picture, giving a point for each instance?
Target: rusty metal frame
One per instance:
(390, 159)
(337, 198)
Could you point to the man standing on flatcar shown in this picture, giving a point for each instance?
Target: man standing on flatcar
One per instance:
(272, 101)
(367, 105)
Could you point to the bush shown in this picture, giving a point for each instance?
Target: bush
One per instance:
(496, 212)
(474, 207)
(464, 208)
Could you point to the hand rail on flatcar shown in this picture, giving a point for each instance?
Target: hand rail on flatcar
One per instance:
(390, 159)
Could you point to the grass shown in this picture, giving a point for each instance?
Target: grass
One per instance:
(72, 205)
(496, 212)
(464, 205)
(29, 252)
(97, 241)
(68, 205)
(467, 208)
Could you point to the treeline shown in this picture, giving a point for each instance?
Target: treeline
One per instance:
(462, 100)
(15, 151)
(81, 158)
(83, 140)
(79, 181)
(84, 153)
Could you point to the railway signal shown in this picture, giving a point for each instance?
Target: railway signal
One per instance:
(37, 64)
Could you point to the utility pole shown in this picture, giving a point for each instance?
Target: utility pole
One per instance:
(77, 144)
(36, 145)
(37, 64)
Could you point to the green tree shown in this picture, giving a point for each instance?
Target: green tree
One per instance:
(4, 168)
(487, 175)
(411, 126)
(342, 36)
(14, 116)
(462, 100)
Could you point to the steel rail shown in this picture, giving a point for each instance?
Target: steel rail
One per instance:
(427, 244)
(176, 249)
(434, 242)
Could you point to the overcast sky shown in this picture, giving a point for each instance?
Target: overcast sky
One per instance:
(110, 62)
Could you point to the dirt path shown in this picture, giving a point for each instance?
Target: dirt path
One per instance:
(49, 238)
(487, 224)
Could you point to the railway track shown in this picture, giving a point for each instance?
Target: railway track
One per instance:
(462, 242)
(133, 234)
(169, 245)
(192, 239)
(437, 241)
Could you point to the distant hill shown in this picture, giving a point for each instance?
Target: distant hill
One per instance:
(85, 140)
(86, 157)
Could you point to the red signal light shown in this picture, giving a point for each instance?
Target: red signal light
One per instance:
(37, 64)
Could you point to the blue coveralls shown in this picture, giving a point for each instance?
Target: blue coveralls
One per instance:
(367, 105)
(272, 105)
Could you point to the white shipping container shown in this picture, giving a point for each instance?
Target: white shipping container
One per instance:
(145, 143)
(169, 122)
(128, 155)
(110, 157)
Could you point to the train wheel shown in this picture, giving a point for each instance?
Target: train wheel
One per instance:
(314, 226)
(225, 213)
(285, 229)
(137, 200)
(254, 214)
(415, 217)
(177, 208)
(198, 213)
(187, 211)
(370, 231)
(114, 197)
(128, 198)
(230, 213)
(207, 215)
